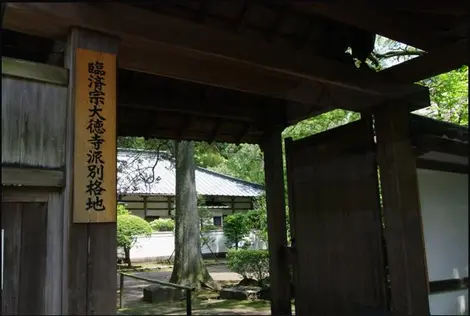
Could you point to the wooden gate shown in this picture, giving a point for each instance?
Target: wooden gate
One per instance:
(30, 252)
(336, 222)
(33, 128)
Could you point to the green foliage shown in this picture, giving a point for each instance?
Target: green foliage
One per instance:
(122, 210)
(320, 123)
(244, 161)
(129, 227)
(252, 264)
(236, 229)
(163, 225)
(257, 219)
(449, 96)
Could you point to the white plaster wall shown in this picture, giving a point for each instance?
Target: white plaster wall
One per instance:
(444, 209)
(162, 244)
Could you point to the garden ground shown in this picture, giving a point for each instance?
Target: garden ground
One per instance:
(205, 303)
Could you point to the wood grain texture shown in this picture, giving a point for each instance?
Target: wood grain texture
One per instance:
(11, 222)
(34, 71)
(402, 213)
(218, 50)
(276, 215)
(53, 282)
(101, 278)
(336, 222)
(82, 135)
(24, 194)
(78, 289)
(34, 177)
(33, 259)
(33, 118)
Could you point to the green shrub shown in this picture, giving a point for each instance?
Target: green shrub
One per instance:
(163, 225)
(236, 229)
(129, 227)
(252, 264)
(122, 210)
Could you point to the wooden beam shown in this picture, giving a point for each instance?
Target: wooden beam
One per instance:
(154, 101)
(436, 6)
(34, 71)
(444, 166)
(179, 51)
(56, 57)
(34, 177)
(431, 64)
(449, 285)
(401, 211)
(277, 232)
(24, 195)
(90, 249)
(422, 125)
(442, 145)
(375, 19)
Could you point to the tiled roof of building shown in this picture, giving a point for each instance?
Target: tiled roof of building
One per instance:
(146, 172)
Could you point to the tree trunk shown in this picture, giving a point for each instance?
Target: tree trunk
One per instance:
(127, 257)
(189, 268)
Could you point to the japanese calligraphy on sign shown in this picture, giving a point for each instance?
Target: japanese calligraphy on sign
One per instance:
(95, 137)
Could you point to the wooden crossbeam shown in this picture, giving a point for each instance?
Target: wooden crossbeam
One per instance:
(168, 46)
(376, 19)
(158, 103)
(431, 64)
(32, 177)
(432, 6)
(426, 143)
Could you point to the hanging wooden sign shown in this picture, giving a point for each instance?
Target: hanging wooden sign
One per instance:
(95, 137)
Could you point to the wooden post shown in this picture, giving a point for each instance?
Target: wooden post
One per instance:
(277, 233)
(403, 224)
(90, 249)
(145, 206)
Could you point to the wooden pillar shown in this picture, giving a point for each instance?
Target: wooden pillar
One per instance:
(169, 206)
(145, 206)
(402, 214)
(90, 248)
(277, 233)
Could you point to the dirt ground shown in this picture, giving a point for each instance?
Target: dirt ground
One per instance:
(133, 292)
(133, 288)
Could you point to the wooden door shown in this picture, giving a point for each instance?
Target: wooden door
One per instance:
(336, 222)
(24, 258)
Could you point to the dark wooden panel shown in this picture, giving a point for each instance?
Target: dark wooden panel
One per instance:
(276, 217)
(336, 222)
(33, 259)
(441, 166)
(34, 71)
(77, 257)
(11, 223)
(53, 286)
(402, 213)
(32, 123)
(38, 177)
(101, 269)
(24, 194)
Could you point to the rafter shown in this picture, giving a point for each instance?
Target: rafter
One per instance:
(430, 6)
(431, 64)
(385, 22)
(159, 44)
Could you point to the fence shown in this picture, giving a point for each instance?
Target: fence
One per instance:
(187, 289)
(162, 244)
